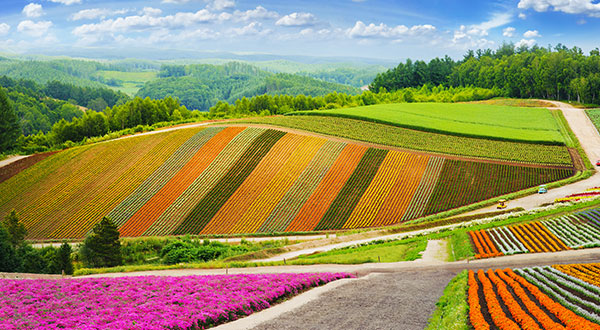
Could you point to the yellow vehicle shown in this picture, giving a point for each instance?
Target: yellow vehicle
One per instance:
(501, 204)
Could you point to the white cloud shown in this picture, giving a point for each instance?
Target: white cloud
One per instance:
(497, 20)
(509, 32)
(96, 13)
(145, 22)
(66, 2)
(361, 30)
(525, 42)
(254, 28)
(531, 34)
(253, 14)
(34, 29)
(566, 6)
(4, 28)
(297, 19)
(469, 37)
(522, 16)
(149, 11)
(221, 4)
(33, 10)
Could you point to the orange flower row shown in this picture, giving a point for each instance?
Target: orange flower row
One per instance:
(589, 272)
(531, 306)
(475, 315)
(566, 316)
(484, 244)
(493, 305)
(515, 309)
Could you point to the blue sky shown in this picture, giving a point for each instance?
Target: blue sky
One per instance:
(420, 29)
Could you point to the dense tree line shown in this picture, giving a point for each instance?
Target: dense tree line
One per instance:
(38, 107)
(18, 256)
(282, 104)
(357, 77)
(135, 113)
(556, 73)
(201, 86)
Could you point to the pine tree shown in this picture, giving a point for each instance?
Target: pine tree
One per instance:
(16, 230)
(102, 247)
(9, 123)
(64, 258)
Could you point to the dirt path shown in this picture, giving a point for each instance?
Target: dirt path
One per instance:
(12, 159)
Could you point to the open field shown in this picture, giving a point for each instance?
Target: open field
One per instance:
(387, 135)
(502, 123)
(228, 180)
(132, 81)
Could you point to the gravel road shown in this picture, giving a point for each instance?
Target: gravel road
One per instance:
(384, 301)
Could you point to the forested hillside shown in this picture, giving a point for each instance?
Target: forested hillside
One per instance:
(41, 106)
(555, 73)
(200, 86)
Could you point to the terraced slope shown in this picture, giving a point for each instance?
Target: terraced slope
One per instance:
(223, 180)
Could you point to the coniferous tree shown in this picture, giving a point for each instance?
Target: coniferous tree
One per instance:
(8, 259)
(16, 230)
(102, 247)
(9, 123)
(64, 258)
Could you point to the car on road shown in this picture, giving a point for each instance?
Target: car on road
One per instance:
(598, 163)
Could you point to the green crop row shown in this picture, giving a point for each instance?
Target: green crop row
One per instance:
(340, 209)
(206, 209)
(424, 141)
(463, 183)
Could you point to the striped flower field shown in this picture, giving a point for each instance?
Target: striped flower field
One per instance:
(557, 297)
(225, 180)
(575, 231)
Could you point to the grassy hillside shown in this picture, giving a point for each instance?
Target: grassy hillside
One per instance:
(471, 120)
(127, 82)
(225, 180)
(420, 140)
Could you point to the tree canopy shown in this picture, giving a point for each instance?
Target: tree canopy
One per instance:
(9, 125)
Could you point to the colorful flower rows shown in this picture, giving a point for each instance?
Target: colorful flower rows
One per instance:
(588, 193)
(575, 231)
(531, 298)
(191, 302)
(222, 180)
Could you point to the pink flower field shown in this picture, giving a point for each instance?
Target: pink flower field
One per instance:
(150, 302)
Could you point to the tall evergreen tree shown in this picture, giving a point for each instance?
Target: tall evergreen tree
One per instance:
(16, 230)
(8, 259)
(64, 258)
(102, 247)
(9, 123)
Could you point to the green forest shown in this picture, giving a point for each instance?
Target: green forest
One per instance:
(200, 86)
(557, 73)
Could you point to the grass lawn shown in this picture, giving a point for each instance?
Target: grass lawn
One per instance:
(132, 81)
(375, 251)
(462, 119)
(452, 310)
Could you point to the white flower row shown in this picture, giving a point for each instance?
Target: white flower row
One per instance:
(574, 279)
(571, 231)
(593, 297)
(507, 242)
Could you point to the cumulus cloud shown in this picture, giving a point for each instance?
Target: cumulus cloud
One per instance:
(361, 30)
(221, 4)
(522, 16)
(145, 22)
(566, 6)
(34, 29)
(469, 37)
(33, 10)
(4, 28)
(297, 19)
(509, 32)
(96, 13)
(531, 34)
(259, 12)
(525, 42)
(66, 2)
(254, 28)
(149, 11)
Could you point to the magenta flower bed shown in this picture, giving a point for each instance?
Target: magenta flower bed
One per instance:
(149, 302)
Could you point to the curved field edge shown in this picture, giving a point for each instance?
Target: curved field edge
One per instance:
(439, 144)
(73, 193)
(501, 123)
(452, 310)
